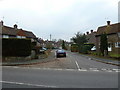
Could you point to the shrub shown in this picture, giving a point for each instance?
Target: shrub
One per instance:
(85, 48)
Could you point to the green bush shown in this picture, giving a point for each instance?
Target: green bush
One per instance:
(85, 49)
(16, 47)
(96, 53)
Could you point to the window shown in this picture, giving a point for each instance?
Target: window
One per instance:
(21, 37)
(5, 36)
(109, 46)
(117, 44)
(18, 36)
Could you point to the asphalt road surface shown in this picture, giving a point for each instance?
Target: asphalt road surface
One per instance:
(74, 71)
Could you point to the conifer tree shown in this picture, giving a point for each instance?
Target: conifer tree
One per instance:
(63, 45)
(104, 44)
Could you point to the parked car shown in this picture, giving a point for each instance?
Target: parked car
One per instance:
(93, 48)
(60, 53)
(42, 50)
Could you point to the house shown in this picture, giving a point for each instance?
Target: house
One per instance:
(14, 32)
(113, 36)
(40, 42)
(91, 39)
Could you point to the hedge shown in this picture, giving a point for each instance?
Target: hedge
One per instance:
(74, 48)
(13, 47)
(86, 48)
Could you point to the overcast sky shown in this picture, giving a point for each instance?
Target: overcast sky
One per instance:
(60, 18)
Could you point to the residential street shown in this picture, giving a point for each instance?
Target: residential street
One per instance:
(60, 44)
(74, 71)
(73, 61)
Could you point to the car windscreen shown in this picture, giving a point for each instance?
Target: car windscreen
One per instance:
(61, 51)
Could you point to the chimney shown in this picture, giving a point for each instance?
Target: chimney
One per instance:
(1, 23)
(87, 33)
(15, 26)
(91, 31)
(108, 22)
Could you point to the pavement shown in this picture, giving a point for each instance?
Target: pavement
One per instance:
(106, 61)
(29, 62)
(51, 56)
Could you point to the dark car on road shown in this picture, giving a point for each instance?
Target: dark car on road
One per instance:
(60, 53)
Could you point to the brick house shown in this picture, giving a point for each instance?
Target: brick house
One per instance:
(91, 39)
(14, 32)
(113, 35)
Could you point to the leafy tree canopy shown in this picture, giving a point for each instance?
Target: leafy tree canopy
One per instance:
(79, 38)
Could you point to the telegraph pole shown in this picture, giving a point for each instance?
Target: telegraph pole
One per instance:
(50, 37)
(50, 43)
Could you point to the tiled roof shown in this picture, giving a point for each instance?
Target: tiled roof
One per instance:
(29, 34)
(91, 37)
(8, 30)
(113, 28)
(11, 31)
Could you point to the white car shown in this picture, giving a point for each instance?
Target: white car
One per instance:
(93, 49)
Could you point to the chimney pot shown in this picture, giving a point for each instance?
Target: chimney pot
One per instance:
(15, 26)
(1, 23)
(87, 33)
(91, 31)
(108, 22)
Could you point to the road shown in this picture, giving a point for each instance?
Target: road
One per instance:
(74, 71)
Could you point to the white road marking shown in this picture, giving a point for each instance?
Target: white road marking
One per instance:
(65, 69)
(93, 69)
(70, 69)
(103, 69)
(109, 71)
(28, 84)
(116, 70)
(77, 65)
(82, 69)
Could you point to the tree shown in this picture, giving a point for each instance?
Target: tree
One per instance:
(63, 45)
(79, 39)
(104, 44)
